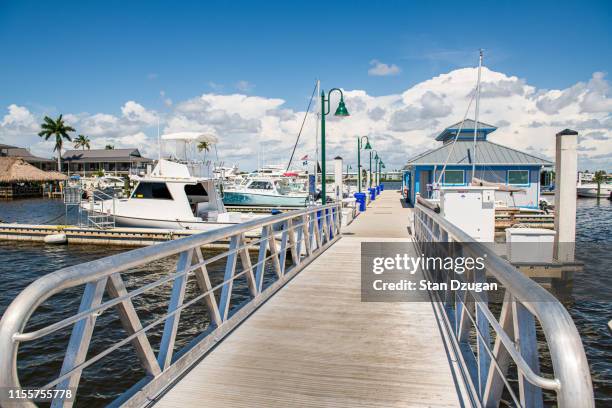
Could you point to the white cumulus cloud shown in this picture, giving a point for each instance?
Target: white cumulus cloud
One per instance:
(399, 125)
(381, 69)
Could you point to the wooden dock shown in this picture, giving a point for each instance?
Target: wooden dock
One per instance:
(315, 343)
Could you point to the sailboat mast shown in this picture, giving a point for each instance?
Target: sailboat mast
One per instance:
(316, 167)
(476, 115)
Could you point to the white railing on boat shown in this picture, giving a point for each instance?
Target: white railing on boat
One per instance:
(302, 235)
(526, 311)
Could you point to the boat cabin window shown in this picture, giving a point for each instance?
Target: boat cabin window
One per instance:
(261, 185)
(518, 177)
(454, 177)
(152, 191)
(195, 190)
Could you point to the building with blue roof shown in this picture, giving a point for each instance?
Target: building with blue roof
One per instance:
(516, 173)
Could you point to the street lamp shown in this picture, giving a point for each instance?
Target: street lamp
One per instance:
(340, 111)
(381, 166)
(372, 151)
(348, 167)
(376, 168)
(367, 147)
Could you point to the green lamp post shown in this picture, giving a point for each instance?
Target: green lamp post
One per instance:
(381, 166)
(372, 151)
(340, 111)
(367, 147)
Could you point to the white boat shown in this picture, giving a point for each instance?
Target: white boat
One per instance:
(170, 197)
(266, 191)
(590, 190)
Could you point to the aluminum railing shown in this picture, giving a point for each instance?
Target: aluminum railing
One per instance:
(301, 234)
(485, 368)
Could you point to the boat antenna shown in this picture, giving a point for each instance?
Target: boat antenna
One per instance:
(297, 140)
(158, 146)
(476, 115)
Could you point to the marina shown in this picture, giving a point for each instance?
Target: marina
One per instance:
(222, 213)
(236, 266)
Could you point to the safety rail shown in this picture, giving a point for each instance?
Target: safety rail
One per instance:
(302, 235)
(99, 215)
(486, 369)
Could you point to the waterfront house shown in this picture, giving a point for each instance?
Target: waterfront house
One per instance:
(23, 153)
(118, 162)
(21, 179)
(516, 173)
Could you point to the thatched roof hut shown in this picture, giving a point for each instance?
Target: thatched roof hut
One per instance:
(17, 170)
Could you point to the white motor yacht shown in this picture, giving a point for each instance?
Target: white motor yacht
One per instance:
(170, 197)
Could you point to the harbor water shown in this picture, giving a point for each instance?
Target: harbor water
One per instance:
(23, 262)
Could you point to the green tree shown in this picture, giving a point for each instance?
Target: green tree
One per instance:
(203, 146)
(599, 177)
(82, 141)
(109, 147)
(58, 129)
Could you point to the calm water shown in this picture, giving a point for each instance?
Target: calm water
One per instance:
(21, 263)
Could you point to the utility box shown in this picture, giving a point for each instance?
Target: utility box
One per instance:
(471, 209)
(533, 245)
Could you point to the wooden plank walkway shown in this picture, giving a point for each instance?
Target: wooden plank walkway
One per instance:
(315, 344)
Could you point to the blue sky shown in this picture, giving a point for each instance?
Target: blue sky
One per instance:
(244, 71)
(92, 56)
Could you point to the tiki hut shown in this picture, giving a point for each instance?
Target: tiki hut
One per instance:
(20, 179)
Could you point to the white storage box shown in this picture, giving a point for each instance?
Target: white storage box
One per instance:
(530, 245)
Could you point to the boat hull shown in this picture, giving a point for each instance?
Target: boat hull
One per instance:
(592, 191)
(263, 200)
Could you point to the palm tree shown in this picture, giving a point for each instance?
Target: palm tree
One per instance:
(82, 141)
(599, 177)
(109, 147)
(60, 130)
(204, 146)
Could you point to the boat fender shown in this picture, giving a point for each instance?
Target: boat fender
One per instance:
(56, 239)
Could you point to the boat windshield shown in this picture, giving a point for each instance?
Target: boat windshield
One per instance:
(158, 191)
(282, 186)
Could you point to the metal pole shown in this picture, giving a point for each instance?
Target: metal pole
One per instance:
(323, 200)
(317, 141)
(476, 116)
(370, 169)
(359, 163)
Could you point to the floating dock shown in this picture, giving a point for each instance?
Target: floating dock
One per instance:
(79, 235)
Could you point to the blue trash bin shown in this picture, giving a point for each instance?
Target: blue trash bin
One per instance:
(382, 187)
(361, 201)
(372, 193)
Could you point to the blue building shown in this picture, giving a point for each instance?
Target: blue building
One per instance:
(515, 172)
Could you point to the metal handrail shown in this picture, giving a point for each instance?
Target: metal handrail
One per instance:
(572, 379)
(303, 233)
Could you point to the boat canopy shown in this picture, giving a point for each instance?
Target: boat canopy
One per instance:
(191, 137)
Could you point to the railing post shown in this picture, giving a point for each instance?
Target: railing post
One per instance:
(525, 338)
(484, 340)
(245, 260)
(166, 347)
(228, 278)
(76, 352)
(203, 280)
(283, 249)
(495, 383)
(131, 324)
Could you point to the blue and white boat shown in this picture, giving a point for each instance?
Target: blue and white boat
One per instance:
(265, 192)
